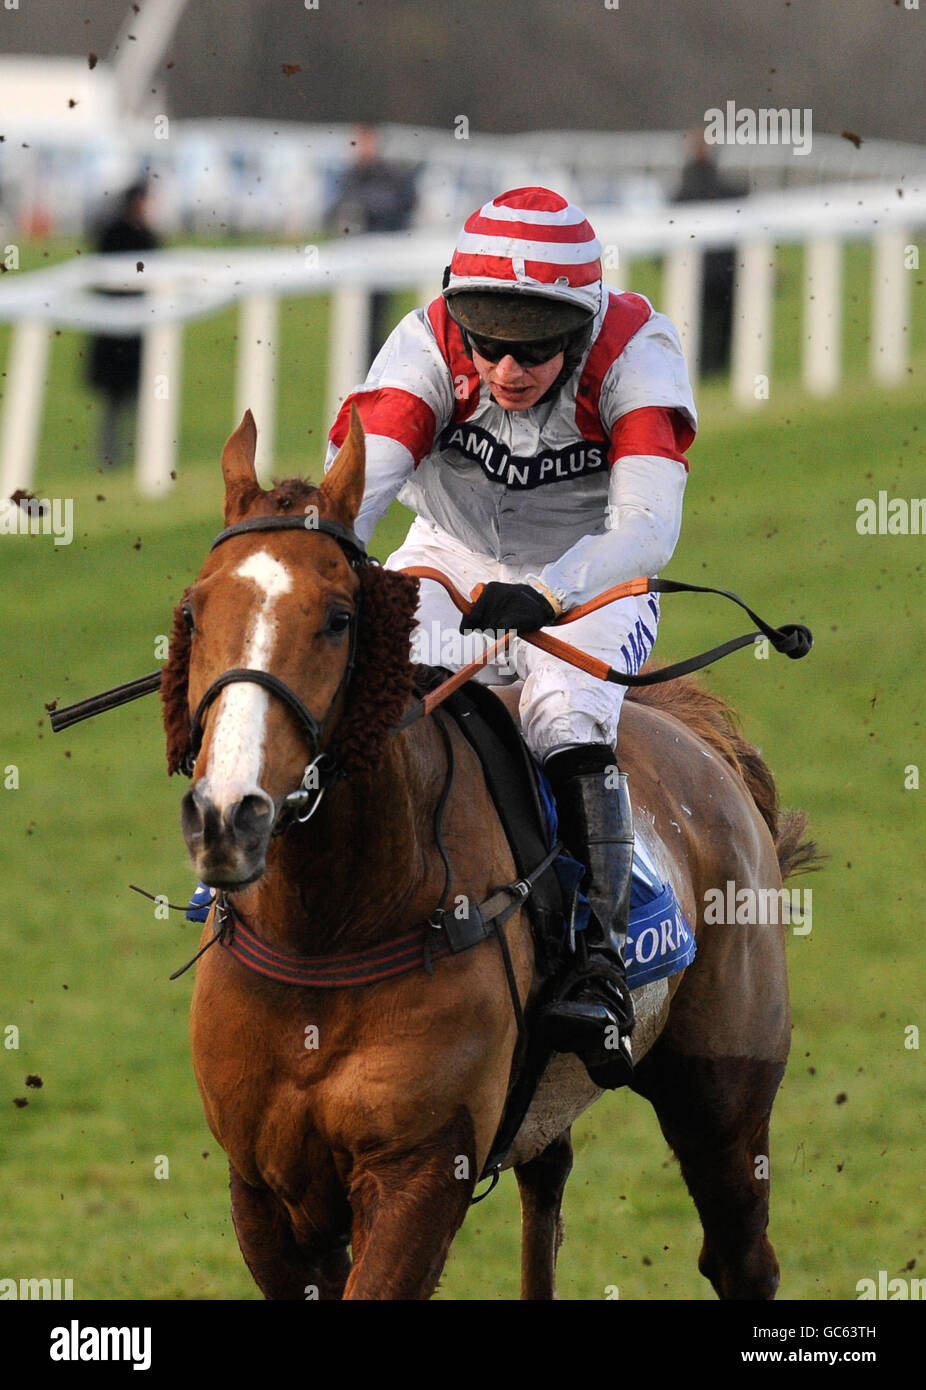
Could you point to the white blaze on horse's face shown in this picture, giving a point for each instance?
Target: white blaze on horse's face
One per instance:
(237, 749)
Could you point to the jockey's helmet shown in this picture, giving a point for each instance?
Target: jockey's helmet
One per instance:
(526, 268)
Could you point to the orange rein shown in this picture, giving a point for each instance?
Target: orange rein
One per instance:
(593, 665)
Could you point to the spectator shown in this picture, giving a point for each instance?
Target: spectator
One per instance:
(373, 195)
(115, 362)
(702, 182)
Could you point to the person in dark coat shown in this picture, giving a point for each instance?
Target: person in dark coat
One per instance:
(114, 363)
(702, 182)
(373, 195)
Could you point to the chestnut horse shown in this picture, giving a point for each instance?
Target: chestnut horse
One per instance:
(359, 1119)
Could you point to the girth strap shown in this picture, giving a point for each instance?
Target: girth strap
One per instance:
(482, 920)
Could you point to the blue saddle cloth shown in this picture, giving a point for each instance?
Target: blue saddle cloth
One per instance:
(659, 940)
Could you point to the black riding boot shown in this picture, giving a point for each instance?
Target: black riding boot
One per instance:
(593, 1015)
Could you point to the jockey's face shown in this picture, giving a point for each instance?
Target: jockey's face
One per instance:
(513, 386)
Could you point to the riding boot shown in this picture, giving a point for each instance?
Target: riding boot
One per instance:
(593, 1014)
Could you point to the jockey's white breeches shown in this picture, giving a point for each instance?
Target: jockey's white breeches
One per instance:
(559, 703)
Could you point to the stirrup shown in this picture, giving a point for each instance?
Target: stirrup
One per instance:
(596, 1030)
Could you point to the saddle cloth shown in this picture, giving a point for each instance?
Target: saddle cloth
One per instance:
(659, 939)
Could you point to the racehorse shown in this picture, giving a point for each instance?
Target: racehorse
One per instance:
(359, 1118)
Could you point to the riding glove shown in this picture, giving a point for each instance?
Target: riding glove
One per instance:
(508, 607)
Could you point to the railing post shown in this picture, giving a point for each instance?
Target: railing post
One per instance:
(347, 346)
(890, 307)
(681, 293)
(822, 354)
(22, 405)
(752, 321)
(256, 371)
(158, 406)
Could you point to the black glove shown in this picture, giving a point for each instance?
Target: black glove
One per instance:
(507, 607)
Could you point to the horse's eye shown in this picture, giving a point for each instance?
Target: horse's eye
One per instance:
(188, 618)
(337, 623)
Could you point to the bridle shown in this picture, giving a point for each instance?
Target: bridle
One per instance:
(323, 768)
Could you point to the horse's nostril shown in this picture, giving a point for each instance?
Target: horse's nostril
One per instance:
(227, 843)
(249, 819)
(193, 814)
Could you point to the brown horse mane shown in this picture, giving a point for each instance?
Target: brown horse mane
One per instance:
(383, 676)
(709, 717)
(175, 708)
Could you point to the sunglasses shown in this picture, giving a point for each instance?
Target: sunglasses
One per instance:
(525, 354)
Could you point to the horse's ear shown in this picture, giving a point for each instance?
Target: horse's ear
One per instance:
(241, 485)
(344, 482)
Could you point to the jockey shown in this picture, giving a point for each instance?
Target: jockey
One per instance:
(537, 424)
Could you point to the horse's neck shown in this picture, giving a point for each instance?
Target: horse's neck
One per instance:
(364, 868)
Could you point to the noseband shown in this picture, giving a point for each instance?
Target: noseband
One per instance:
(323, 767)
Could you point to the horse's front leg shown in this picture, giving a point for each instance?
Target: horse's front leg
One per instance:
(283, 1267)
(407, 1209)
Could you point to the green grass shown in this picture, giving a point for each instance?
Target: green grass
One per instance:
(771, 514)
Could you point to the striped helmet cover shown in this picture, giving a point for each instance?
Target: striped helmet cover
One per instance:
(529, 240)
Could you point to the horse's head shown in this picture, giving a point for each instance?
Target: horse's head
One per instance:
(282, 602)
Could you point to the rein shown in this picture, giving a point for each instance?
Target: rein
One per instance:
(792, 639)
